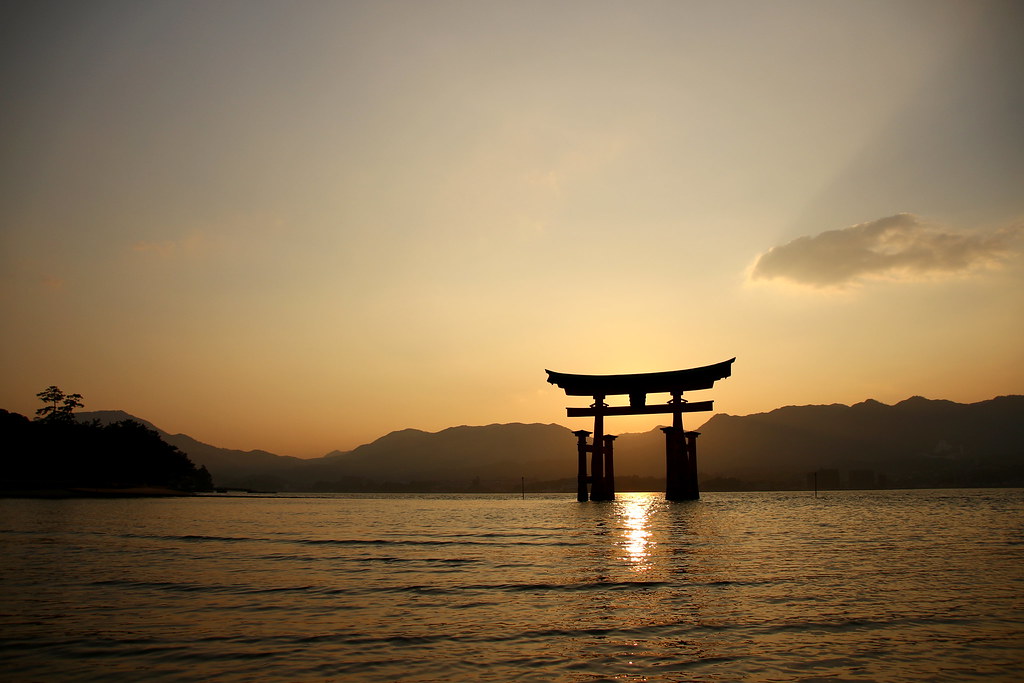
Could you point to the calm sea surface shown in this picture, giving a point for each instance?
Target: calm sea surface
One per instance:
(879, 586)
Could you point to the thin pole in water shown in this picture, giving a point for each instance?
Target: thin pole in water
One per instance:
(815, 484)
(523, 480)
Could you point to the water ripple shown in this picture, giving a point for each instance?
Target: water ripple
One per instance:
(894, 586)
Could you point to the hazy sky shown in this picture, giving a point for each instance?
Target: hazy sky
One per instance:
(298, 226)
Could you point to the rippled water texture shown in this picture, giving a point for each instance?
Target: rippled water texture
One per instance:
(883, 586)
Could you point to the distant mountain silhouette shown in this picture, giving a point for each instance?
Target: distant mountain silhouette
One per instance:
(229, 467)
(503, 450)
(917, 442)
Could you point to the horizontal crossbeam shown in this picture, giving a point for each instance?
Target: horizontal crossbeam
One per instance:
(692, 407)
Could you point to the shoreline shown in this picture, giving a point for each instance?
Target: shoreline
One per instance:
(97, 492)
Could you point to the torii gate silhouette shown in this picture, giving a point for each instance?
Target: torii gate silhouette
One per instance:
(680, 445)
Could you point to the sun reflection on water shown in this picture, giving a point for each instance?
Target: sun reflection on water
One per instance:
(634, 513)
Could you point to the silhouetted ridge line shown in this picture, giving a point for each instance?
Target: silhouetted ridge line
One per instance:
(916, 442)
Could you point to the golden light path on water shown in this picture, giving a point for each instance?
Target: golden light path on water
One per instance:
(634, 511)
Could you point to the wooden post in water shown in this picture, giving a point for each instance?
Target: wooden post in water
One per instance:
(597, 485)
(692, 487)
(675, 465)
(609, 467)
(581, 477)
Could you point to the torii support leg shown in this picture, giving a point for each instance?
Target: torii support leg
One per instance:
(609, 468)
(675, 464)
(581, 478)
(680, 457)
(597, 485)
(692, 487)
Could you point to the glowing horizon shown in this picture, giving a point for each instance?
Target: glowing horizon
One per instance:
(300, 227)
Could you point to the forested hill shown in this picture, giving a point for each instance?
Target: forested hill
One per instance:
(60, 456)
(917, 442)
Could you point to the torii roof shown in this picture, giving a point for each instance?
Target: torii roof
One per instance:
(673, 381)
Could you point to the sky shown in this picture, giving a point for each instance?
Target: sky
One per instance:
(298, 226)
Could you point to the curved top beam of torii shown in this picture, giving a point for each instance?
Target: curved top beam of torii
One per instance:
(673, 381)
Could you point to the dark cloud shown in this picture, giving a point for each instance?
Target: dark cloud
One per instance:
(897, 247)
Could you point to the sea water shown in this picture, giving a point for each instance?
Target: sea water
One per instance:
(849, 586)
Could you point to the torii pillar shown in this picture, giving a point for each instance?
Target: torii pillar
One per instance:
(609, 467)
(680, 445)
(581, 478)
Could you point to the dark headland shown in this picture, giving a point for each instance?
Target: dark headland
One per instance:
(59, 457)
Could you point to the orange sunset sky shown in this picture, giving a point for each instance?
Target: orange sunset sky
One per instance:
(298, 226)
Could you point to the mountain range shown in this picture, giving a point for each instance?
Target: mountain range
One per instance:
(914, 443)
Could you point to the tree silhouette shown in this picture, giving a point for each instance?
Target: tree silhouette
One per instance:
(55, 454)
(61, 406)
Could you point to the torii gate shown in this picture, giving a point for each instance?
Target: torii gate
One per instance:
(680, 445)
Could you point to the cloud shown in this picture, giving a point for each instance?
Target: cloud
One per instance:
(900, 247)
